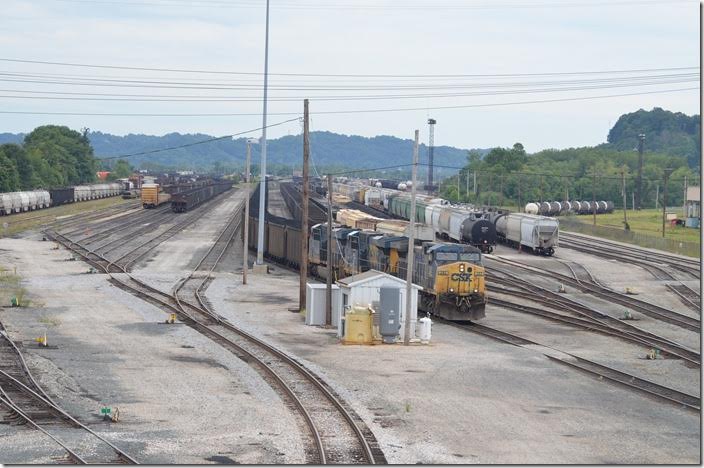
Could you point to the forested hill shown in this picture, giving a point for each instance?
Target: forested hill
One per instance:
(671, 133)
(328, 149)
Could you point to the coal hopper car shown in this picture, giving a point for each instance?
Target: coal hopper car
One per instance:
(185, 201)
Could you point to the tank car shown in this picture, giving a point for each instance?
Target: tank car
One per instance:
(532, 208)
(480, 232)
(601, 208)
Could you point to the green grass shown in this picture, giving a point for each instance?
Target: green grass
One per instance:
(648, 222)
(17, 223)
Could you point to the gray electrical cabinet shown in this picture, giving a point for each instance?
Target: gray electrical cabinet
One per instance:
(389, 313)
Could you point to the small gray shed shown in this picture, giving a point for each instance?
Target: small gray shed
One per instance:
(364, 289)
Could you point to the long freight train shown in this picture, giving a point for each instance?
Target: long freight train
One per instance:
(461, 223)
(451, 275)
(17, 202)
(454, 223)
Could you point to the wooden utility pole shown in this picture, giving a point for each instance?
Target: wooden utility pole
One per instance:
(623, 194)
(328, 290)
(410, 255)
(594, 195)
(245, 262)
(684, 199)
(459, 194)
(518, 208)
(657, 195)
(668, 171)
(501, 190)
(304, 218)
(466, 183)
(541, 190)
(567, 191)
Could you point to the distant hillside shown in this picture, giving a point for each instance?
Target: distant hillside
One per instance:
(16, 138)
(328, 149)
(666, 132)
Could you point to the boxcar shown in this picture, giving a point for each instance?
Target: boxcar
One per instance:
(61, 196)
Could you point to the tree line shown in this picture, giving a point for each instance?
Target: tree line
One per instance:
(50, 156)
(510, 177)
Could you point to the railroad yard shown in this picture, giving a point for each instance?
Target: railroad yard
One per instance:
(138, 343)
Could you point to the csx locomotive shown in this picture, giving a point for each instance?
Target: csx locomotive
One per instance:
(451, 275)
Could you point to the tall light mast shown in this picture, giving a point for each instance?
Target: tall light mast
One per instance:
(431, 150)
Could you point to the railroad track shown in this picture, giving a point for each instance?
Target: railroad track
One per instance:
(96, 258)
(581, 273)
(71, 219)
(604, 323)
(24, 402)
(686, 295)
(117, 225)
(630, 381)
(335, 433)
(630, 254)
(646, 308)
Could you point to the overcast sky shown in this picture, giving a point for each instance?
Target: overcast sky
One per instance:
(350, 37)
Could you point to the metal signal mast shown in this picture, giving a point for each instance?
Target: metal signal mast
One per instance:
(431, 150)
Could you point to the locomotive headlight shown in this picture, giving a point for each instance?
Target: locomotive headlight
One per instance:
(476, 290)
(452, 290)
(462, 268)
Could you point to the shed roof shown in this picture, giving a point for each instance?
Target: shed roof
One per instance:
(371, 275)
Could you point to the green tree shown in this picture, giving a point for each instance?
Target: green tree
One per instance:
(120, 170)
(9, 178)
(18, 156)
(60, 156)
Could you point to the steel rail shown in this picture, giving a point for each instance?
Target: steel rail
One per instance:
(48, 402)
(630, 332)
(669, 395)
(5, 400)
(629, 254)
(270, 349)
(163, 299)
(652, 310)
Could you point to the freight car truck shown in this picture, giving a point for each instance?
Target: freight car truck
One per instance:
(153, 197)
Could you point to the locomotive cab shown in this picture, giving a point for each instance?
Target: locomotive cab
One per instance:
(452, 276)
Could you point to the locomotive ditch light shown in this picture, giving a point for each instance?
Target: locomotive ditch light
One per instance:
(476, 290)
(452, 290)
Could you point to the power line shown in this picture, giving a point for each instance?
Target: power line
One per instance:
(351, 111)
(209, 140)
(539, 174)
(377, 7)
(219, 72)
(157, 98)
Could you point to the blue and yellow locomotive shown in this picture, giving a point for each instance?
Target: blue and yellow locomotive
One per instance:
(451, 275)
